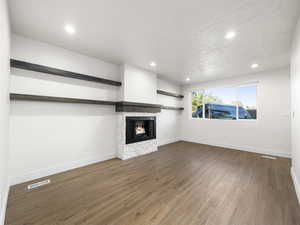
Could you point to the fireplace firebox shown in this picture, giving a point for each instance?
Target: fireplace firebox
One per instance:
(140, 129)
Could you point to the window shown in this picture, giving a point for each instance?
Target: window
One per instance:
(225, 103)
(247, 102)
(197, 104)
(220, 103)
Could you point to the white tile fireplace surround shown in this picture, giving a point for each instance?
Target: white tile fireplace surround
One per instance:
(145, 93)
(127, 151)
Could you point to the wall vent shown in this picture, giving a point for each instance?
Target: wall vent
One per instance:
(38, 184)
(268, 157)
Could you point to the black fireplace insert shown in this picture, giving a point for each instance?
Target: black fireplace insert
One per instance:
(140, 129)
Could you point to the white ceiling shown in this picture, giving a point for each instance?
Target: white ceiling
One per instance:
(184, 38)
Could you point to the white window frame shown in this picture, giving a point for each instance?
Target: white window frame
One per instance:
(237, 86)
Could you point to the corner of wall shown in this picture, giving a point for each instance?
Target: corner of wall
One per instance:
(4, 203)
(296, 183)
(294, 95)
(168, 141)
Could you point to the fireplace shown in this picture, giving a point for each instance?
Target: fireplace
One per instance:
(140, 129)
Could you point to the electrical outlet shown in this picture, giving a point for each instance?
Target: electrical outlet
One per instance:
(38, 184)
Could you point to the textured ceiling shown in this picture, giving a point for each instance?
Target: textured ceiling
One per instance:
(184, 38)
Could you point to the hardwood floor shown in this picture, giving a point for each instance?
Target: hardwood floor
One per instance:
(182, 184)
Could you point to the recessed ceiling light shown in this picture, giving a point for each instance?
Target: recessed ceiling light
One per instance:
(187, 79)
(153, 64)
(254, 66)
(69, 29)
(230, 35)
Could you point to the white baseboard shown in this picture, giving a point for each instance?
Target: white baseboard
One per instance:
(167, 141)
(296, 183)
(59, 168)
(241, 148)
(4, 204)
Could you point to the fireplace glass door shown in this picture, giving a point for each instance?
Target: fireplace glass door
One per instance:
(140, 129)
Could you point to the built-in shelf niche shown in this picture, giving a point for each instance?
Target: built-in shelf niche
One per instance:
(120, 106)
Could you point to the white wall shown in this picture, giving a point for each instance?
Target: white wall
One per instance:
(47, 138)
(28, 82)
(168, 120)
(4, 106)
(50, 137)
(138, 85)
(270, 134)
(295, 109)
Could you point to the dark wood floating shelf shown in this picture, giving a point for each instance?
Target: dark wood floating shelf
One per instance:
(137, 107)
(169, 94)
(120, 106)
(58, 72)
(26, 97)
(172, 108)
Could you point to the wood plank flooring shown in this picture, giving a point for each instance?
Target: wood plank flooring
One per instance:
(182, 184)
